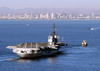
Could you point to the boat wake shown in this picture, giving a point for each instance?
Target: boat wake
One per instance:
(4, 58)
(95, 28)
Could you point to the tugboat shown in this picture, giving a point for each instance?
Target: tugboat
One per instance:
(84, 43)
(27, 50)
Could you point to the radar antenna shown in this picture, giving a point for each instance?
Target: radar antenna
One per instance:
(54, 28)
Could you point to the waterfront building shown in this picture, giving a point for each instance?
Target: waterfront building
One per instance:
(47, 15)
(81, 15)
(92, 15)
(41, 16)
(52, 15)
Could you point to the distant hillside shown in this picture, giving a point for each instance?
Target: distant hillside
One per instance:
(97, 12)
(47, 10)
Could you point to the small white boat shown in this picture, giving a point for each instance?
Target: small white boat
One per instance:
(91, 29)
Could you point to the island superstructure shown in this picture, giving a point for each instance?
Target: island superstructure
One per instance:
(26, 50)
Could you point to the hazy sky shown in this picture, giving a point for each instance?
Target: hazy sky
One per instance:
(18, 4)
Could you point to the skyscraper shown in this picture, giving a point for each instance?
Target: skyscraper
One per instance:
(92, 15)
(52, 15)
(31, 14)
(47, 16)
(41, 16)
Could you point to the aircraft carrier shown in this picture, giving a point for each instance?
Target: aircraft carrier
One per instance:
(27, 50)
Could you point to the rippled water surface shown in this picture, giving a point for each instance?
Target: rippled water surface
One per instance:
(70, 58)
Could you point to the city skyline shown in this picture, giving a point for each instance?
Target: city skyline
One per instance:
(19, 4)
(52, 16)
